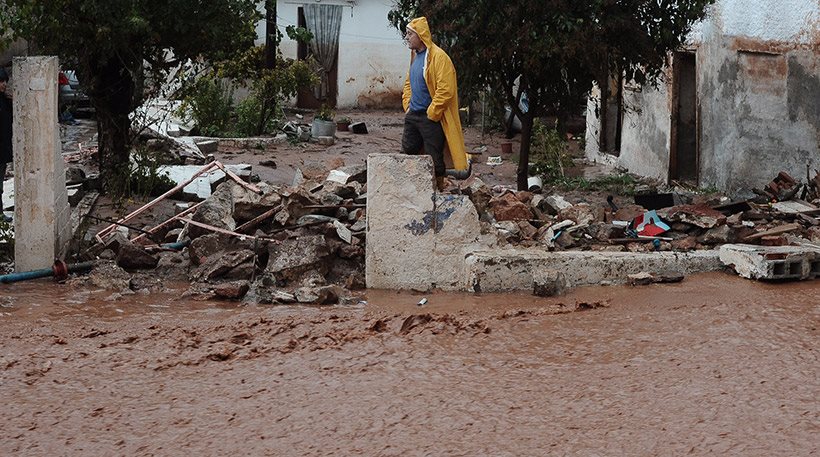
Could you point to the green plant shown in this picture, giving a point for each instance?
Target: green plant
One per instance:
(141, 178)
(344, 120)
(619, 184)
(270, 87)
(550, 155)
(208, 102)
(325, 113)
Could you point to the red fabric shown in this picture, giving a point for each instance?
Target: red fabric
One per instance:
(62, 80)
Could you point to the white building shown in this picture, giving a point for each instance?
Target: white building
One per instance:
(739, 104)
(371, 59)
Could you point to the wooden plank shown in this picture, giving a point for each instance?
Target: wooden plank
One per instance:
(775, 231)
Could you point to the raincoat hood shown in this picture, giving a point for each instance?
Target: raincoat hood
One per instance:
(420, 26)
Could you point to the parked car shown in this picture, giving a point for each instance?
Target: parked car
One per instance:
(71, 94)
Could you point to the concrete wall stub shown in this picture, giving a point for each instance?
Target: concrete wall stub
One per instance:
(772, 262)
(41, 212)
(513, 269)
(416, 239)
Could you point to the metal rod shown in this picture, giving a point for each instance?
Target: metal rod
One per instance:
(153, 202)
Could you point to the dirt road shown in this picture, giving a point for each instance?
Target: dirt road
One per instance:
(713, 365)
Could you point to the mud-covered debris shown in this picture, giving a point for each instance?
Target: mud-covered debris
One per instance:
(507, 207)
(555, 203)
(698, 215)
(582, 214)
(234, 290)
(231, 265)
(291, 258)
(325, 295)
(135, 257)
(718, 235)
(247, 204)
(109, 276)
(548, 283)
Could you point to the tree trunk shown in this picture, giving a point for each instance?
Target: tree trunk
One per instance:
(524, 155)
(113, 89)
(270, 34)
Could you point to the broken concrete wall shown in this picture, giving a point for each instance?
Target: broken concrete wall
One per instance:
(372, 58)
(416, 238)
(514, 269)
(758, 82)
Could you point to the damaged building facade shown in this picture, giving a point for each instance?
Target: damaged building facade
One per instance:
(740, 102)
(364, 57)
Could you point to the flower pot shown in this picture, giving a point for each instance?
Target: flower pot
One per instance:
(322, 128)
(506, 148)
(343, 126)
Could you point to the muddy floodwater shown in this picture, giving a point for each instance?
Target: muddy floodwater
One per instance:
(714, 365)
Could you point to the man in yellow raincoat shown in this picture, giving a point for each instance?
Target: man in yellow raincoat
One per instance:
(430, 101)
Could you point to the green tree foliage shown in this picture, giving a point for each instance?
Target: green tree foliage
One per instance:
(117, 45)
(552, 50)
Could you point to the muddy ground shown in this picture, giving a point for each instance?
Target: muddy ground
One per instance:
(713, 365)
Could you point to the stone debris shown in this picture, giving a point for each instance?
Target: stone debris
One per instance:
(306, 243)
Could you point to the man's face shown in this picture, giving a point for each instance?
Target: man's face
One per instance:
(413, 40)
(3, 85)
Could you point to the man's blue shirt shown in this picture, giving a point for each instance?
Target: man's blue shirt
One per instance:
(420, 97)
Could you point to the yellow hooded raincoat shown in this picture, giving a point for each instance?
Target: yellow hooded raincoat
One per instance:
(440, 76)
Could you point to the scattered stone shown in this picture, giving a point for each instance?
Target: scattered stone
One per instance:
(555, 203)
(699, 215)
(508, 208)
(718, 235)
(107, 275)
(343, 232)
(134, 257)
(548, 283)
(641, 279)
(582, 214)
(326, 140)
(268, 163)
(218, 266)
(326, 295)
(216, 210)
(291, 258)
(248, 205)
(232, 290)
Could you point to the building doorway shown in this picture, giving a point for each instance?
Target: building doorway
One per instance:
(611, 115)
(684, 154)
(324, 24)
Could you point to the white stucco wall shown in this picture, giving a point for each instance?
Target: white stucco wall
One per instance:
(755, 73)
(775, 20)
(373, 58)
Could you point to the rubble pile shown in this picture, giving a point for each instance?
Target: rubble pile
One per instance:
(550, 221)
(306, 243)
(263, 243)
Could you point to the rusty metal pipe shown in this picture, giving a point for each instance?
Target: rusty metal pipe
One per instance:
(59, 270)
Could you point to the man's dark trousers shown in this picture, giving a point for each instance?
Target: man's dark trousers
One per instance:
(422, 132)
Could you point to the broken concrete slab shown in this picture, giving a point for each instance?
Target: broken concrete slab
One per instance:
(288, 260)
(772, 262)
(202, 187)
(216, 211)
(512, 269)
(699, 215)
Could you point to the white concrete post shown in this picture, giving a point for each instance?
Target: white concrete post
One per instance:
(41, 212)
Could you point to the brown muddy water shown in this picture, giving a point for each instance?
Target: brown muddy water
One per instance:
(713, 365)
